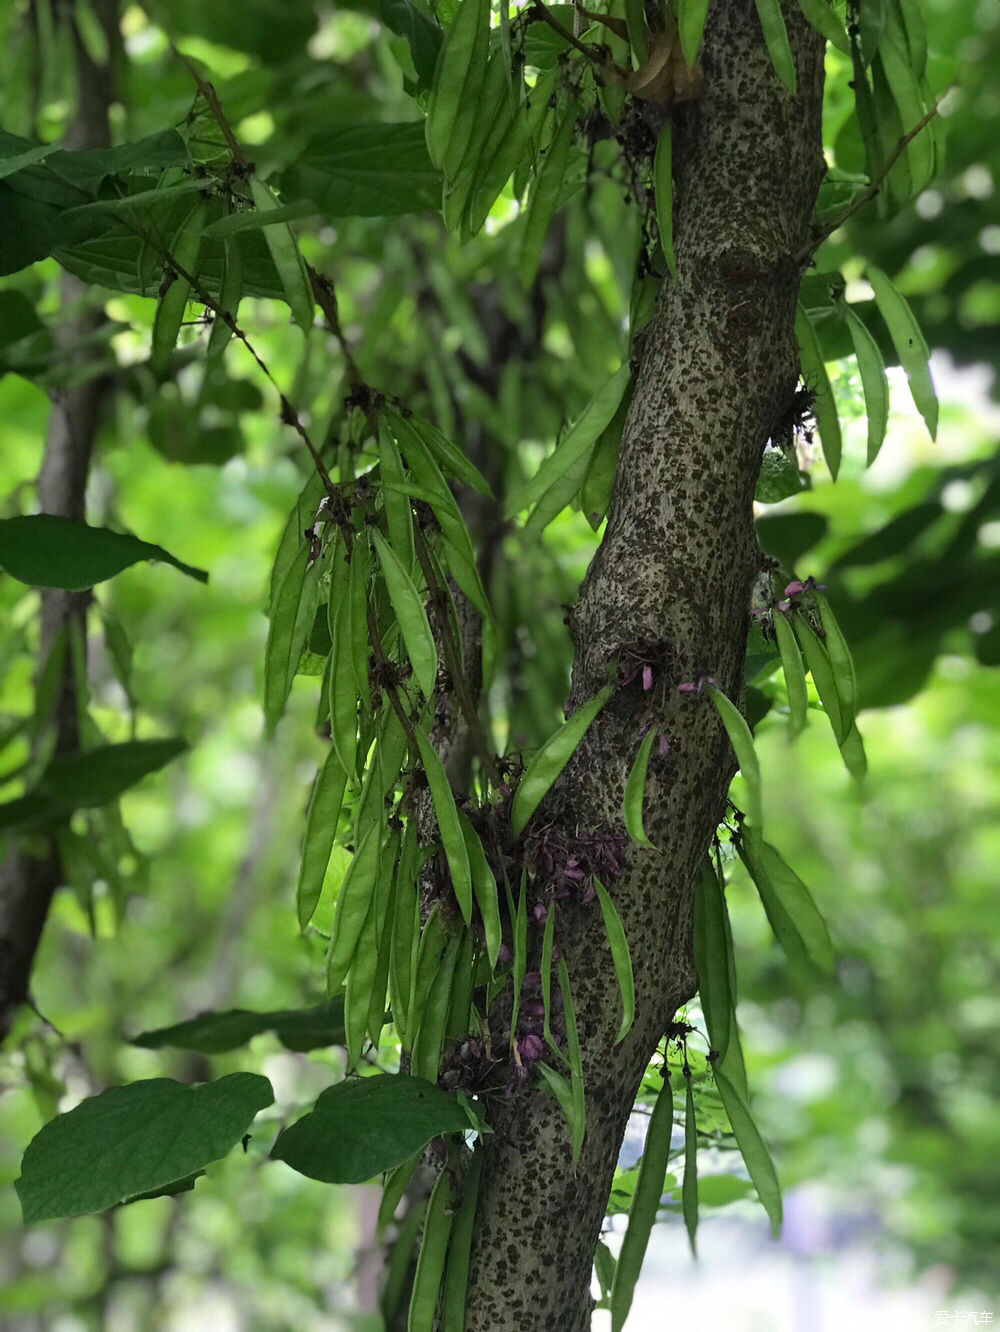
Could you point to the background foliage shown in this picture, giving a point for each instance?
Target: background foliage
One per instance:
(893, 1114)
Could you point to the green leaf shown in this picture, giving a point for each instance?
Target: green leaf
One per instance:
(287, 259)
(712, 958)
(17, 153)
(519, 929)
(689, 1187)
(746, 756)
(460, 1250)
(133, 1140)
(230, 295)
(620, 957)
(841, 662)
(560, 1089)
(779, 477)
(358, 170)
(574, 446)
(550, 760)
(424, 1297)
(484, 888)
(450, 457)
(449, 825)
(431, 1015)
(635, 791)
(772, 21)
(754, 1152)
(298, 1029)
(793, 671)
(458, 546)
(663, 186)
(852, 751)
(578, 1118)
(827, 23)
(818, 663)
(353, 902)
(364, 1126)
(461, 66)
(424, 37)
(44, 550)
(645, 1204)
(321, 829)
(911, 348)
(398, 510)
(410, 615)
(691, 15)
(493, 113)
(545, 970)
(797, 923)
(876, 387)
(545, 195)
(824, 407)
(292, 613)
(184, 251)
(290, 542)
(86, 779)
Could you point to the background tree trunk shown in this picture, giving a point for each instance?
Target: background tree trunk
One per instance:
(672, 582)
(30, 875)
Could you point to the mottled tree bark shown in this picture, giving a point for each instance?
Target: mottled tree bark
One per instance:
(718, 365)
(31, 873)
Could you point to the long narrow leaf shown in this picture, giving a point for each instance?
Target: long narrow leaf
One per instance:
(578, 1124)
(689, 1187)
(645, 1205)
(911, 347)
(814, 373)
(410, 615)
(752, 1148)
(746, 756)
(550, 760)
(635, 791)
(321, 829)
(873, 380)
(449, 825)
(620, 957)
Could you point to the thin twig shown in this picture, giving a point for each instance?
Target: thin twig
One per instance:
(879, 181)
(214, 105)
(326, 299)
(541, 10)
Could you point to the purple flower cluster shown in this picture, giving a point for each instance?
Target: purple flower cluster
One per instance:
(567, 862)
(794, 590)
(530, 1043)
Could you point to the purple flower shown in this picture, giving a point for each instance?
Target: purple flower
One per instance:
(663, 746)
(796, 587)
(647, 679)
(530, 1048)
(689, 687)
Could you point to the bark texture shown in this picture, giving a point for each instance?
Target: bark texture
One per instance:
(31, 873)
(670, 585)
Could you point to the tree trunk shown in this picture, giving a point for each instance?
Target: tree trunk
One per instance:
(31, 873)
(670, 586)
